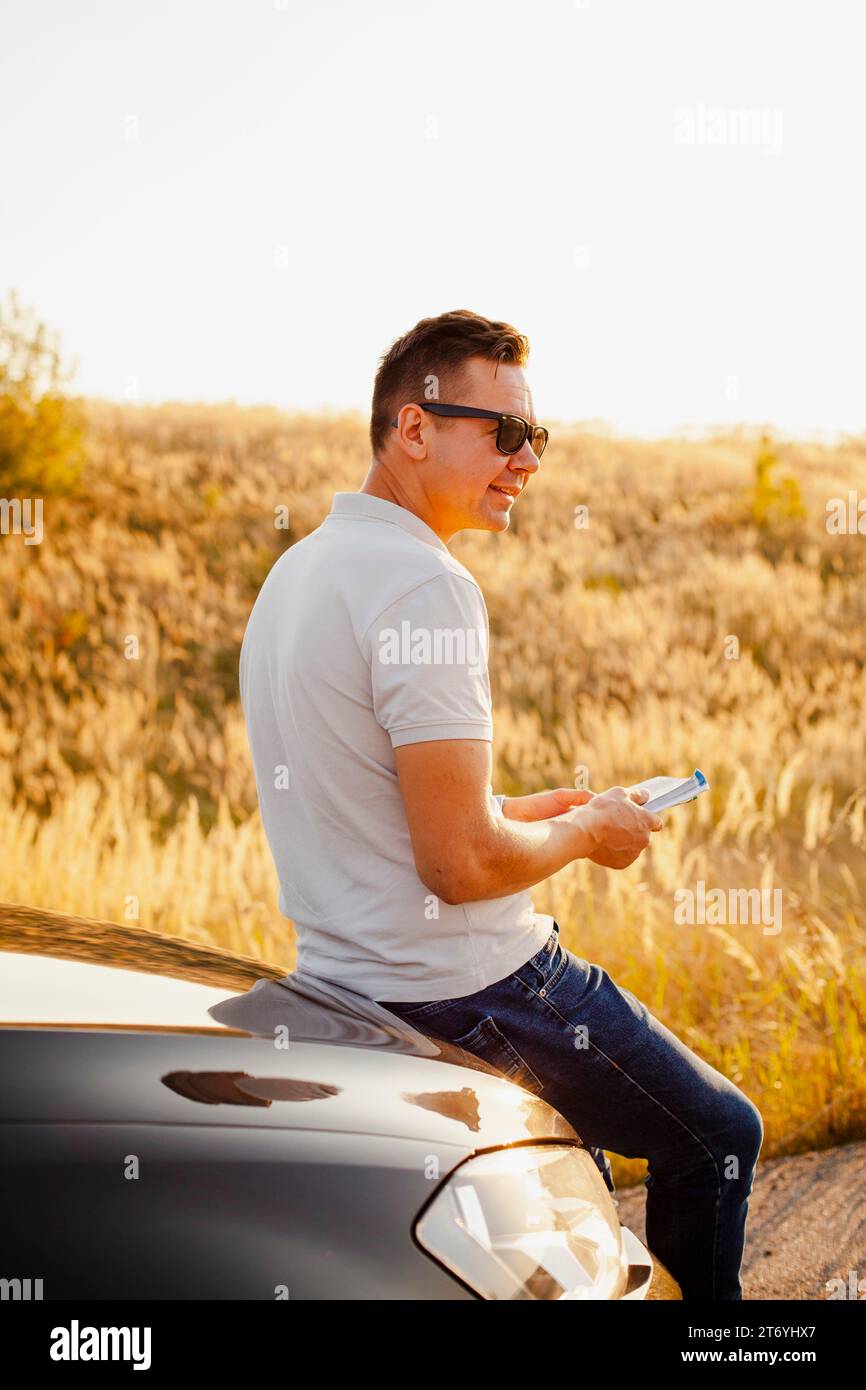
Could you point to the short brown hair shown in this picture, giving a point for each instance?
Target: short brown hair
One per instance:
(438, 347)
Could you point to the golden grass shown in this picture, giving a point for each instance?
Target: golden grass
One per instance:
(127, 792)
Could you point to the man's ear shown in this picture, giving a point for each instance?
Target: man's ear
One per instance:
(410, 431)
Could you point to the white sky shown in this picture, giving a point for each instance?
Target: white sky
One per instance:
(311, 177)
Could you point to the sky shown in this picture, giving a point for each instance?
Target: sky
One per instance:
(250, 200)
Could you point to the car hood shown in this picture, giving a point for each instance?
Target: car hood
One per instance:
(101, 1022)
(91, 1076)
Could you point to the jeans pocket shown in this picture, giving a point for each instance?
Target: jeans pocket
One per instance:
(487, 1041)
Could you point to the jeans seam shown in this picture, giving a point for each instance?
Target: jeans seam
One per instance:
(660, 1106)
(557, 974)
(552, 979)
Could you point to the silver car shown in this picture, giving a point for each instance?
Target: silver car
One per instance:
(181, 1122)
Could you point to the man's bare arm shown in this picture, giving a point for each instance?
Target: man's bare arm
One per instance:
(464, 853)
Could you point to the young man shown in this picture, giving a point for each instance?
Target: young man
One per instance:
(366, 695)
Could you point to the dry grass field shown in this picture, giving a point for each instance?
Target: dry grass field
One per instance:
(704, 617)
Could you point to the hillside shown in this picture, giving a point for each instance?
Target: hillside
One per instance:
(126, 788)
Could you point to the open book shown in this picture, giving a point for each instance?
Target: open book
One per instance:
(666, 792)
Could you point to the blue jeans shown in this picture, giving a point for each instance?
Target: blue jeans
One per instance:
(561, 1027)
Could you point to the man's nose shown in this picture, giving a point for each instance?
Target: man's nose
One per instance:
(525, 459)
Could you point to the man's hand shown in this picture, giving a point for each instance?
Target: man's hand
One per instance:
(464, 853)
(544, 805)
(620, 828)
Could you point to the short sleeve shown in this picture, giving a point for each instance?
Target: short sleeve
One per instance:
(428, 663)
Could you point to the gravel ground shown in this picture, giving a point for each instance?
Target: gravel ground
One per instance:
(806, 1223)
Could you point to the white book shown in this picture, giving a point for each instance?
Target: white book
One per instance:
(666, 792)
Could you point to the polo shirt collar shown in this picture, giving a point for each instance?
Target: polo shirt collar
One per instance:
(363, 504)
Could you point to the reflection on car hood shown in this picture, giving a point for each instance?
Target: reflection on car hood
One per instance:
(205, 1022)
(312, 1009)
(317, 1010)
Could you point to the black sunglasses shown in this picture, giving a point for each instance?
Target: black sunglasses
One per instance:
(513, 430)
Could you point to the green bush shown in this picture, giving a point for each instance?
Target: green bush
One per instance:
(41, 428)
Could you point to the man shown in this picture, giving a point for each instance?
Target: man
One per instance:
(365, 690)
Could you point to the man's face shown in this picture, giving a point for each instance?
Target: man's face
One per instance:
(463, 469)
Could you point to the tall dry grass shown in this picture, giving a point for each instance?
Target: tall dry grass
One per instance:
(126, 789)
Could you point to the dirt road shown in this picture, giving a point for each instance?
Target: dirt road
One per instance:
(806, 1224)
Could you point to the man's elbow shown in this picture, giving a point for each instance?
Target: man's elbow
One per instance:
(453, 884)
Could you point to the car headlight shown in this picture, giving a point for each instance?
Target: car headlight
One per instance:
(534, 1221)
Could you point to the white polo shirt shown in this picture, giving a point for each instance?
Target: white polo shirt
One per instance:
(368, 634)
